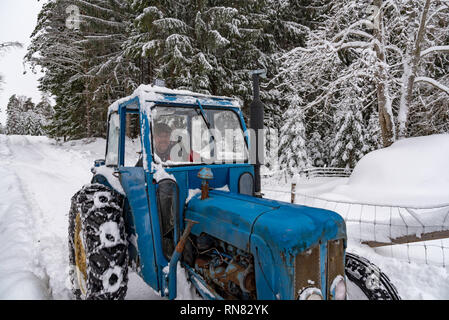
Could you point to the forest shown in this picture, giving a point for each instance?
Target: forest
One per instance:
(343, 77)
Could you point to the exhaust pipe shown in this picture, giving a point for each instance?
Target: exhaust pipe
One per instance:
(256, 123)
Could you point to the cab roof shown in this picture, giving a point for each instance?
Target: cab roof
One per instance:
(156, 94)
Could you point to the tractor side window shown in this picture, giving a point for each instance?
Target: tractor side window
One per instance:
(168, 196)
(113, 140)
(133, 149)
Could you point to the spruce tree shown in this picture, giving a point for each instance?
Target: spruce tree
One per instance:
(84, 68)
(13, 121)
(349, 141)
(294, 155)
(372, 135)
(24, 117)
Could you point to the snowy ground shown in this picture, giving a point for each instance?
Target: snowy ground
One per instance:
(38, 178)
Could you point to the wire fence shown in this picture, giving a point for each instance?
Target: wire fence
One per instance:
(310, 173)
(418, 234)
(316, 172)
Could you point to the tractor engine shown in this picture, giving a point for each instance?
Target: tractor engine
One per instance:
(227, 269)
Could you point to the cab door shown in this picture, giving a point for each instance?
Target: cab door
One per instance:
(133, 179)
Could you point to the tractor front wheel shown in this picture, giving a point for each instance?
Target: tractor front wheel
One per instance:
(98, 250)
(367, 281)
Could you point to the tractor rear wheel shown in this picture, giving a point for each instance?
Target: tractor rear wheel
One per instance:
(98, 250)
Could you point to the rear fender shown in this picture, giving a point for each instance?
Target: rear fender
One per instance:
(101, 179)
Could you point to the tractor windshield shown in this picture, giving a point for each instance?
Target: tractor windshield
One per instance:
(181, 135)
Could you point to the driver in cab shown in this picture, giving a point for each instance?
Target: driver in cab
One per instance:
(163, 146)
(162, 143)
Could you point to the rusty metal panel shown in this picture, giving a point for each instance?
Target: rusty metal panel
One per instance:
(335, 263)
(307, 270)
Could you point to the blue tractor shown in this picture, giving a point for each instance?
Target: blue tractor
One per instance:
(189, 195)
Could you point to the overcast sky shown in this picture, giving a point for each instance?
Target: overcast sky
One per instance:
(17, 20)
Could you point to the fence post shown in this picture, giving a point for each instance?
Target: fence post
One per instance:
(293, 192)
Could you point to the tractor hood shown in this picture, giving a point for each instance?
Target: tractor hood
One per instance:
(239, 219)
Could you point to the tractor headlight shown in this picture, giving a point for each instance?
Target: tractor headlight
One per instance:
(338, 288)
(311, 294)
(246, 184)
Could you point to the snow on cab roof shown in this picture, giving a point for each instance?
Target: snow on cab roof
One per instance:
(152, 93)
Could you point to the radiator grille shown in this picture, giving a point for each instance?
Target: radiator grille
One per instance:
(307, 270)
(335, 263)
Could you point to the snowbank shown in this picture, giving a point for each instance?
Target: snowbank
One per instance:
(411, 172)
(414, 281)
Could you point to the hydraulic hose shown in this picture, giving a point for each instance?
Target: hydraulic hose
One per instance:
(172, 279)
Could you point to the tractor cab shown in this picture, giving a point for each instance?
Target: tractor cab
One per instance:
(180, 134)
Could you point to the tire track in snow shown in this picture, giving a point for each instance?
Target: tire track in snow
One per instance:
(21, 276)
(52, 248)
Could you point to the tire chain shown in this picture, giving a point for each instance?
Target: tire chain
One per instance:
(369, 278)
(99, 258)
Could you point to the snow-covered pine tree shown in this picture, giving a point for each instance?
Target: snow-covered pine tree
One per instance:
(209, 46)
(23, 118)
(85, 69)
(161, 40)
(303, 74)
(45, 108)
(393, 44)
(13, 121)
(105, 27)
(316, 148)
(56, 49)
(290, 23)
(372, 134)
(349, 144)
(45, 112)
(142, 45)
(294, 155)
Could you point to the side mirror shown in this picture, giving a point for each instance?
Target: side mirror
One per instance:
(99, 163)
